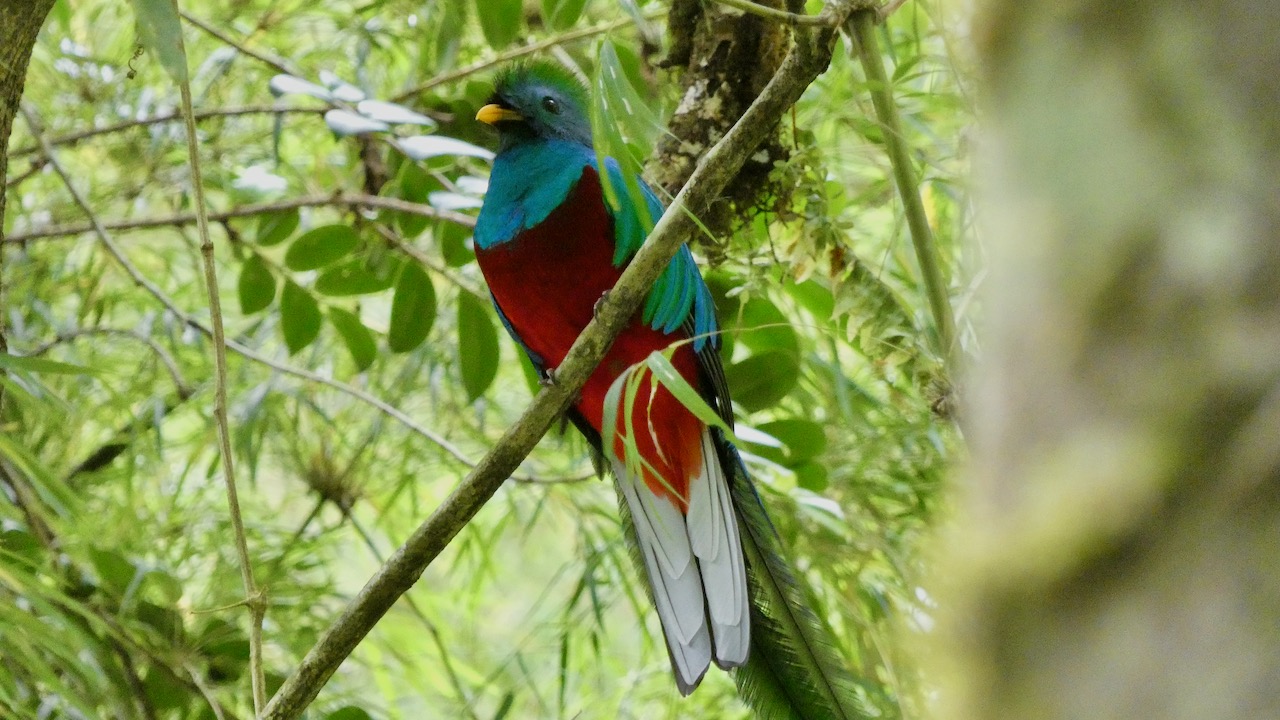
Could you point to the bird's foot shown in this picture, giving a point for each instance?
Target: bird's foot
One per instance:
(595, 309)
(548, 378)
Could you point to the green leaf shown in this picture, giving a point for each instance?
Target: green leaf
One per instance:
(531, 378)
(760, 381)
(160, 29)
(257, 285)
(38, 365)
(500, 20)
(413, 309)
(812, 476)
(413, 184)
(350, 712)
(804, 439)
(357, 337)
(562, 14)
(115, 572)
(477, 345)
(763, 327)
(299, 317)
(321, 246)
(163, 690)
(452, 239)
(351, 278)
(276, 227)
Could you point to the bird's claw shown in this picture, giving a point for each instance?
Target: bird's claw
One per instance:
(595, 309)
(548, 379)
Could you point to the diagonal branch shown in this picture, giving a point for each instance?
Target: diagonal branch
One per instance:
(806, 60)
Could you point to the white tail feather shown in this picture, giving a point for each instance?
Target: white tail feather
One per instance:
(713, 536)
(688, 593)
(677, 586)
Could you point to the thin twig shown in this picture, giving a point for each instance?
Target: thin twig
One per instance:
(175, 116)
(861, 27)
(516, 53)
(790, 18)
(275, 61)
(253, 596)
(808, 58)
(180, 219)
(166, 359)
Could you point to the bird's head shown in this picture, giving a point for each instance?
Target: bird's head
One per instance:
(538, 101)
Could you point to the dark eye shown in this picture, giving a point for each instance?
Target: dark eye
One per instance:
(551, 104)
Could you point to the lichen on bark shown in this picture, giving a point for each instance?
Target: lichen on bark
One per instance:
(723, 59)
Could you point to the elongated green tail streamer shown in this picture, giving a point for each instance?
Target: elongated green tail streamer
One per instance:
(793, 671)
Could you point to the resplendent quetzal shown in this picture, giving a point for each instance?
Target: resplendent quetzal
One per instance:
(550, 246)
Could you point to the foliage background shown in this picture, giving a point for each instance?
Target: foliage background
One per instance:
(116, 563)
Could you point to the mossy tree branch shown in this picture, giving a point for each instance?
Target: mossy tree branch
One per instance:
(807, 59)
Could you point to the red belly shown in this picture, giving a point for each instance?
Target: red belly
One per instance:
(547, 282)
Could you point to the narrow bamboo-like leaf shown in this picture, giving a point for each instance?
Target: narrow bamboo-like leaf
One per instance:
(421, 147)
(621, 121)
(321, 246)
(355, 336)
(413, 309)
(257, 285)
(453, 201)
(352, 277)
(392, 113)
(674, 382)
(345, 122)
(290, 85)
(299, 317)
(160, 29)
(276, 227)
(40, 365)
(477, 346)
(500, 20)
(341, 89)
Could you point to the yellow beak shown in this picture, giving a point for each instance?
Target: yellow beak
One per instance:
(494, 114)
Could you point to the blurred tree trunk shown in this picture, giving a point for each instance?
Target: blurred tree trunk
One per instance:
(1122, 554)
(20, 22)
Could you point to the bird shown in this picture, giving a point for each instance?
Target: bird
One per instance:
(550, 245)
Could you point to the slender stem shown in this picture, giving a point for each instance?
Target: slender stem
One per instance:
(179, 219)
(75, 137)
(515, 53)
(806, 60)
(861, 25)
(765, 11)
(253, 596)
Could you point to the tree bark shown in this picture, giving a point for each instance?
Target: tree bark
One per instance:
(724, 58)
(1122, 551)
(20, 22)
